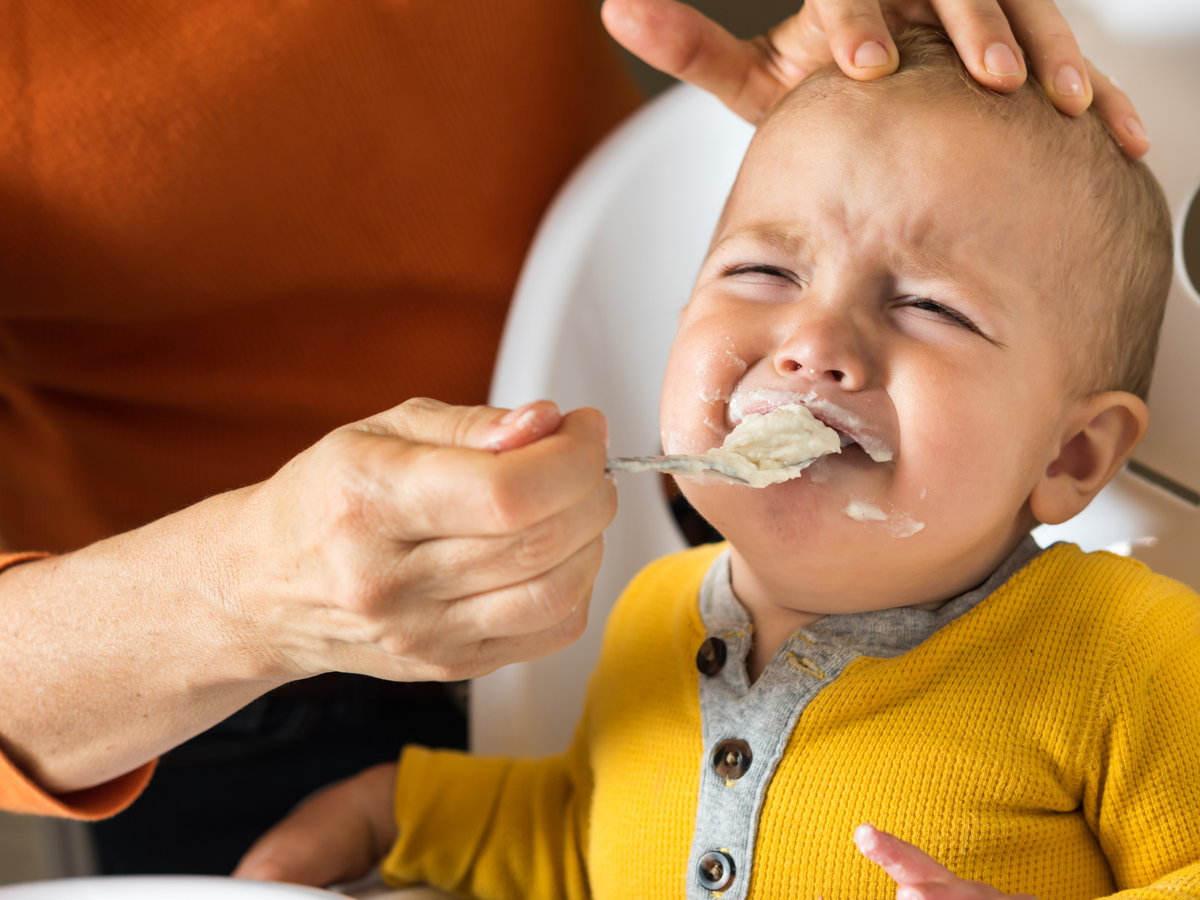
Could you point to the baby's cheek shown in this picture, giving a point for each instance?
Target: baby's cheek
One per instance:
(701, 376)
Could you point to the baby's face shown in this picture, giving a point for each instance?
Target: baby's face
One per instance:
(895, 268)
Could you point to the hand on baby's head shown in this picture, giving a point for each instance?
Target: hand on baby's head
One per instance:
(916, 264)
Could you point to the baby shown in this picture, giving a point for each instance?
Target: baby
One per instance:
(968, 288)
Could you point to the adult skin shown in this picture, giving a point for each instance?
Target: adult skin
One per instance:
(340, 833)
(751, 76)
(426, 543)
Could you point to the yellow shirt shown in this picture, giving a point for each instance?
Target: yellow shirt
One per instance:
(1047, 742)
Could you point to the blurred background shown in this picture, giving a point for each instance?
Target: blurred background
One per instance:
(1152, 47)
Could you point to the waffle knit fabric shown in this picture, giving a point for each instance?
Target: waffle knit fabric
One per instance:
(1047, 742)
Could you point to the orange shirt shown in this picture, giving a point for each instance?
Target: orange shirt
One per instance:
(229, 226)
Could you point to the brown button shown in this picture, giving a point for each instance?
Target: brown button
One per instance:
(715, 870)
(731, 759)
(711, 657)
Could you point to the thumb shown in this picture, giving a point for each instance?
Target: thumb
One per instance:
(425, 421)
(906, 864)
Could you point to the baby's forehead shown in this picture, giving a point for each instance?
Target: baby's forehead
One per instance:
(922, 176)
(1006, 178)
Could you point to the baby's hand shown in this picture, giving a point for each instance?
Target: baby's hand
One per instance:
(918, 875)
(337, 836)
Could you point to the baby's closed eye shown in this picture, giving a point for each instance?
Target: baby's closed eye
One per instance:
(766, 274)
(947, 312)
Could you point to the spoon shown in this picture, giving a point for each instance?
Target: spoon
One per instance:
(684, 464)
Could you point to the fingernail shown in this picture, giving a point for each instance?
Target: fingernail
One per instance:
(870, 55)
(908, 892)
(866, 837)
(1135, 129)
(1067, 82)
(513, 415)
(999, 59)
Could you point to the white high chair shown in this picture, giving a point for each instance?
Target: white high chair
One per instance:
(614, 261)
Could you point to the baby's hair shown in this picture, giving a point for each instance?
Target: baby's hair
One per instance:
(1117, 286)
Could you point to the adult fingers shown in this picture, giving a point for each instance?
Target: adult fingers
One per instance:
(856, 33)
(1054, 54)
(535, 606)
(682, 42)
(424, 491)
(451, 568)
(981, 34)
(477, 635)
(1118, 113)
(493, 653)
(425, 421)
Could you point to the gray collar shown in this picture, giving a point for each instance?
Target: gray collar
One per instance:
(885, 632)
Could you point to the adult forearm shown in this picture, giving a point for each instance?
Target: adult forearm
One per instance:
(426, 543)
(119, 651)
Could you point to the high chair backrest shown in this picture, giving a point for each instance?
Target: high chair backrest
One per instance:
(596, 309)
(591, 325)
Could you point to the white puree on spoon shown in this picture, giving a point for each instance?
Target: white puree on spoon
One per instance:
(773, 447)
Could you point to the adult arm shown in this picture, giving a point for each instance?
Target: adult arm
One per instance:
(407, 546)
(751, 76)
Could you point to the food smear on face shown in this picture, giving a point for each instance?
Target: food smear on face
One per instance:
(770, 448)
(900, 525)
(855, 429)
(862, 511)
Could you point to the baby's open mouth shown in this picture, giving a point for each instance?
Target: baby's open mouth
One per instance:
(764, 449)
(773, 440)
(850, 427)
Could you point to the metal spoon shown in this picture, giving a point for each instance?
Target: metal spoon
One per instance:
(680, 464)
(694, 465)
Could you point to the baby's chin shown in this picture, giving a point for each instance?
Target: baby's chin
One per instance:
(798, 537)
(823, 489)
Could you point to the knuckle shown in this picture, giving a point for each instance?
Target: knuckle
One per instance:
(457, 430)
(854, 18)
(539, 548)
(577, 624)
(549, 600)
(459, 670)
(361, 595)
(991, 21)
(610, 501)
(509, 511)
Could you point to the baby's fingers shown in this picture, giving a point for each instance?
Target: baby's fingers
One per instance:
(906, 864)
(918, 875)
(1118, 114)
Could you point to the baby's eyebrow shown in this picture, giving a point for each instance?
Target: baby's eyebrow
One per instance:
(784, 242)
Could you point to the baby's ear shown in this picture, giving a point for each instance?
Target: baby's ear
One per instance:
(1099, 435)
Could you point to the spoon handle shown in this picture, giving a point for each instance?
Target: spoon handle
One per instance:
(676, 465)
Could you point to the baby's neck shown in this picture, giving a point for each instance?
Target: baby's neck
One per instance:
(774, 624)
(772, 627)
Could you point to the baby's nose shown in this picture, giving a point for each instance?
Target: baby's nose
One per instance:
(823, 351)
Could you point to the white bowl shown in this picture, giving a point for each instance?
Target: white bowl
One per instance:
(159, 887)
